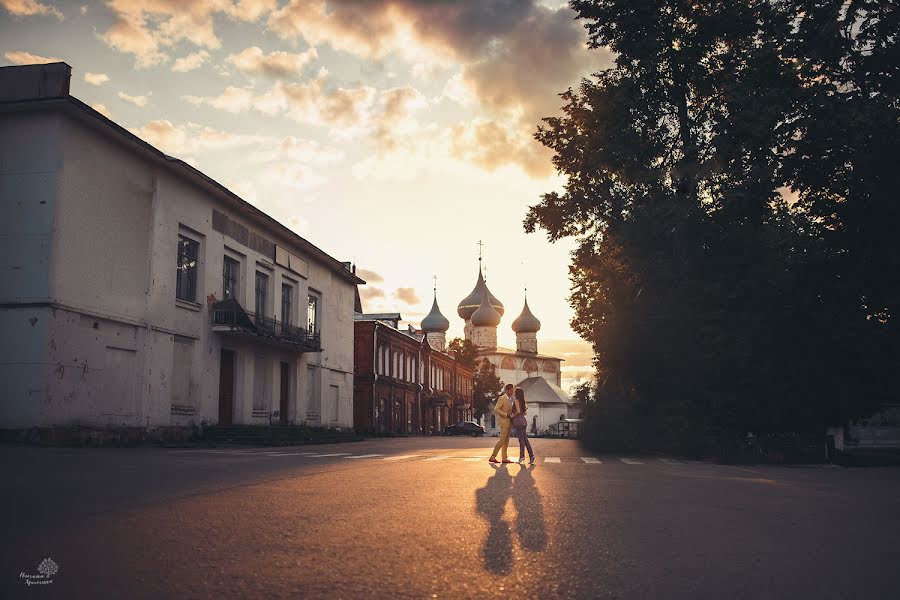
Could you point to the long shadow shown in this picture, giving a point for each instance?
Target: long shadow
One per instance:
(490, 502)
(530, 526)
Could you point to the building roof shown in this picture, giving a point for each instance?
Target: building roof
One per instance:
(540, 391)
(526, 322)
(486, 315)
(435, 321)
(470, 303)
(177, 166)
(510, 352)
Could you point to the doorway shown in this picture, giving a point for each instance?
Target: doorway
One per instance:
(285, 393)
(226, 387)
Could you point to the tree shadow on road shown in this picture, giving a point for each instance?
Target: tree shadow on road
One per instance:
(490, 502)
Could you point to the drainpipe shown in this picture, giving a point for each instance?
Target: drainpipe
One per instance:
(374, 370)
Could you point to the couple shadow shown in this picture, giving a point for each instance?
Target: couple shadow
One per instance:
(491, 501)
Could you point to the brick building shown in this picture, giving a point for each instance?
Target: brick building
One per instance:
(405, 382)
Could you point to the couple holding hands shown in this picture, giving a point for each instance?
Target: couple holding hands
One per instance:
(510, 409)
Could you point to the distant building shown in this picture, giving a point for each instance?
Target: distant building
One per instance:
(539, 375)
(137, 291)
(405, 382)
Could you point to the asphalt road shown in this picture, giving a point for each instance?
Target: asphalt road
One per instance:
(430, 518)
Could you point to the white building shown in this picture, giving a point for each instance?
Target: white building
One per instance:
(537, 374)
(136, 291)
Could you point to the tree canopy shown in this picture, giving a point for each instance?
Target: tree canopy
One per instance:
(728, 182)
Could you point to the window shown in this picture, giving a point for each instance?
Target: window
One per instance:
(262, 285)
(186, 282)
(312, 314)
(231, 270)
(287, 302)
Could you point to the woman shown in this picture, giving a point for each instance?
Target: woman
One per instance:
(521, 425)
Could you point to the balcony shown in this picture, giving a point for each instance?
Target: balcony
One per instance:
(230, 318)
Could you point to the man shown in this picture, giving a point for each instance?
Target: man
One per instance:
(502, 408)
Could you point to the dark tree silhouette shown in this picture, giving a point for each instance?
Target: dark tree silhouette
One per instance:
(730, 189)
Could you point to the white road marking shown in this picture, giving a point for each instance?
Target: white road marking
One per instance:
(324, 455)
(671, 461)
(364, 456)
(278, 454)
(402, 456)
(551, 459)
(438, 458)
(631, 461)
(590, 460)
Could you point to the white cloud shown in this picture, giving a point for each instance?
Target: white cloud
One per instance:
(149, 29)
(25, 8)
(190, 62)
(101, 108)
(96, 78)
(254, 61)
(136, 100)
(20, 57)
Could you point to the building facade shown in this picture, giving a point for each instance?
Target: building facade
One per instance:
(537, 374)
(405, 382)
(139, 292)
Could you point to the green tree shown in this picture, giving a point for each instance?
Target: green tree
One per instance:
(709, 299)
(465, 352)
(486, 386)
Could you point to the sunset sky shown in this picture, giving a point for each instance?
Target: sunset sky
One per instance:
(395, 134)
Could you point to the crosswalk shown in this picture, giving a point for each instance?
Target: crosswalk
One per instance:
(428, 458)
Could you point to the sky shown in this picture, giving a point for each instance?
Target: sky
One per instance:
(396, 134)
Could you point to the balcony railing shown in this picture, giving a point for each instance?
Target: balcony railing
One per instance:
(230, 316)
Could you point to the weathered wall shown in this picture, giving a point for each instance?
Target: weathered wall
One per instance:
(89, 229)
(30, 157)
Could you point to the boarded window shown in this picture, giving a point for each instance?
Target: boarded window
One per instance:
(182, 372)
(260, 384)
(120, 383)
(335, 396)
(313, 398)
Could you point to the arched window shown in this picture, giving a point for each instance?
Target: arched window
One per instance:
(508, 363)
(549, 366)
(530, 366)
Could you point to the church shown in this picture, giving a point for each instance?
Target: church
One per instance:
(537, 374)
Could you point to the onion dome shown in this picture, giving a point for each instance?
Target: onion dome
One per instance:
(435, 321)
(471, 303)
(486, 315)
(526, 322)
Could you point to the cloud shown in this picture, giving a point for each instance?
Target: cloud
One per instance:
(20, 57)
(491, 145)
(370, 276)
(101, 108)
(516, 56)
(513, 58)
(192, 138)
(190, 62)
(254, 61)
(96, 78)
(26, 8)
(136, 100)
(308, 102)
(148, 29)
(407, 295)
(370, 293)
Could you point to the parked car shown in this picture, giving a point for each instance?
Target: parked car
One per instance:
(465, 428)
